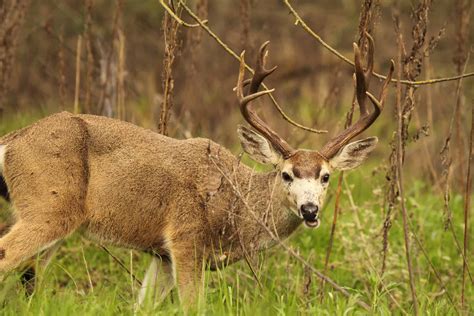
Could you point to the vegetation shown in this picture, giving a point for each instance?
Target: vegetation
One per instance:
(185, 90)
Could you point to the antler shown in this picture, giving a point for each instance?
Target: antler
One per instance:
(244, 100)
(362, 85)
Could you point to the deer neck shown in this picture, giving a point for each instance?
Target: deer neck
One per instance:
(265, 214)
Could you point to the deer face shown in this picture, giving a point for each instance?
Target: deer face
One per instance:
(305, 175)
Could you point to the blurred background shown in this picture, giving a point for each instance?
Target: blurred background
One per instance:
(128, 59)
(315, 88)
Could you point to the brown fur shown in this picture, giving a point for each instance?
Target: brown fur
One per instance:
(128, 186)
(306, 164)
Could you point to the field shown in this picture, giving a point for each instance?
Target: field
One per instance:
(134, 62)
(84, 279)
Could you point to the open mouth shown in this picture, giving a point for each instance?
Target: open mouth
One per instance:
(312, 223)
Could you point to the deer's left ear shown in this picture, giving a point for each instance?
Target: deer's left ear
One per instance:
(353, 154)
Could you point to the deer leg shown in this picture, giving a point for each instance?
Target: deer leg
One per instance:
(158, 281)
(189, 270)
(24, 240)
(30, 275)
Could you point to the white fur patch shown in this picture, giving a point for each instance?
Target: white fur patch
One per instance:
(308, 190)
(3, 151)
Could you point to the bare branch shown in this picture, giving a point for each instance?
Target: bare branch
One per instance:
(236, 56)
(302, 23)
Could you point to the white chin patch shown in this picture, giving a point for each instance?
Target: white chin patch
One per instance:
(312, 224)
(3, 150)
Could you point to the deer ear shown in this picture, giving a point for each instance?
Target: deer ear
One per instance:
(353, 154)
(257, 146)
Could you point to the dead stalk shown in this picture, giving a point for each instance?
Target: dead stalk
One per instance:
(467, 207)
(275, 237)
(77, 109)
(122, 265)
(400, 176)
(333, 230)
(203, 25)
(62, 72)
(170, 31)
(436, 273)
(446, 161)
(302, 23)
(121, 111)
(89, 57)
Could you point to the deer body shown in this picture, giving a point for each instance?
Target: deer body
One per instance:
(128, 186)
(189, 202)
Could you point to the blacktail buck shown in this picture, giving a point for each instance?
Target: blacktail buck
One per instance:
(191, 202)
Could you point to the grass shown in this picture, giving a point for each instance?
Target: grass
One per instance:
(287, 289)
(64, 289)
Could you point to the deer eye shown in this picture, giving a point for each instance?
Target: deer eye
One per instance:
(325, 178)
(286, 177)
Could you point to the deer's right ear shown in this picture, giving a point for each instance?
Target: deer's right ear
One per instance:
(257, 146)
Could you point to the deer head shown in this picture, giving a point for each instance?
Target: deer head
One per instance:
(305, 173)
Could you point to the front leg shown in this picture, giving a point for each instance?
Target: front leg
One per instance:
(188, 265)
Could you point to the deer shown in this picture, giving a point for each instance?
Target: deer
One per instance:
(190, 202)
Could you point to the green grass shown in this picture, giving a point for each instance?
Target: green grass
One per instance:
(356, 260)
(65, 289)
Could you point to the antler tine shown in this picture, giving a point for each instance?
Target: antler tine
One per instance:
(260, 72)
(244, 100)
(366, 119)
(383, 93)
(363, 76)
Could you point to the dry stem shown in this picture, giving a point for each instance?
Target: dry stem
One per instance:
(170, 30)
(467, 207)
(302, 23)
(275, 237)
(204, 26)
(77, 109)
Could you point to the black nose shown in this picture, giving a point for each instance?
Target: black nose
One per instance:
(309, 211)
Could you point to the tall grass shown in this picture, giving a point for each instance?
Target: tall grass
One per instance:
(356, 259)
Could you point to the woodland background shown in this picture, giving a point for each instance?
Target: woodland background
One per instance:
(131, 60)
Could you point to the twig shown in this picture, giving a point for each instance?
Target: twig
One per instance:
(122, 265)
(91, 286)
(172, 47)
(446, 160)
(120, 66)
(436, 273)
(279, 242)
(78, 75)
(176, 17)
(333, 230)
(467, 207)
(302, 23)
(400, 175)
(237, 57)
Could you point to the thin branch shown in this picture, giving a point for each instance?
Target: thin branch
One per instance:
(436, 273)
(176, 17)
(302, 23)
(283, 245)
(467, 207)
(122, 265)
(78, 75)
(333, 230)
(399, 171)
(446, 160)
(204, 26)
